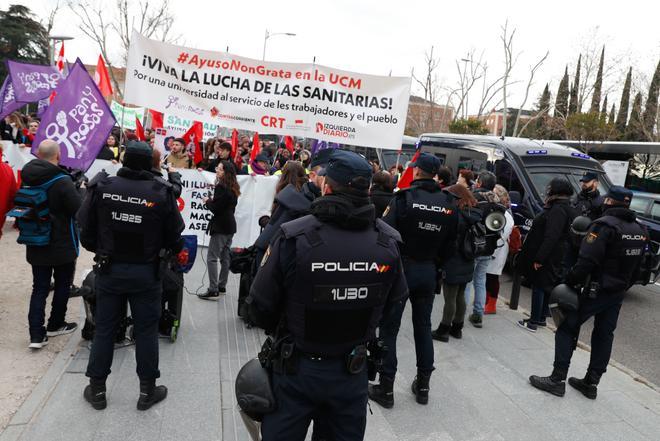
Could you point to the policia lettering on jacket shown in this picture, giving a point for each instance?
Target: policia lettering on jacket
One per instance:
(338, 265)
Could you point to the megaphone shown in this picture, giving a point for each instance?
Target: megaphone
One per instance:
(495, 221)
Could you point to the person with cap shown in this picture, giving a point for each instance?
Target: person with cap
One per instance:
(589, 201)
(260, 166)
(609, 259)
(427, 219)
(337, 265)
(128, 221)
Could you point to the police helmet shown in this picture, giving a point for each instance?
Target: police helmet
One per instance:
(563, 299)
(254, 394)
(138, 156)
(580, 225)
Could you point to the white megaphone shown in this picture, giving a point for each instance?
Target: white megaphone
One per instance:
(495, 221)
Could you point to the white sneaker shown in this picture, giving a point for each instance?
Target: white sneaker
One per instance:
(67, 328)
(38, 344)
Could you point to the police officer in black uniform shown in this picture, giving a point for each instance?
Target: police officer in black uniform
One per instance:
(610, 256)
(589, 201)
(426, 218)
(127, 221)
(324, 283)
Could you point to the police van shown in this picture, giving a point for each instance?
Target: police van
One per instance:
(523, 166)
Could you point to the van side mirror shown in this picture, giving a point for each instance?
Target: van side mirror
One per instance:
(515, 197)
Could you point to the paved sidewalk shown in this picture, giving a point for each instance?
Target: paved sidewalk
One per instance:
(479, 390)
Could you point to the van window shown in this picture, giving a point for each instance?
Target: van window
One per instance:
(639, 204)
(541, 177)
(507, 177)
(655, 211)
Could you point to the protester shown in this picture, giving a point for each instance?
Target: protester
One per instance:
(30, 132)
(544, 248)
(58, 258)
(465, 178)
(178, 156)
(8, 187)
(221, 228)
(459, 269)
(110, 149)
(496, 265)
(260, 166)
(444, 177)
(293, 173)
(221, 152)
(382, 190)
(13, 130)
(483, 193)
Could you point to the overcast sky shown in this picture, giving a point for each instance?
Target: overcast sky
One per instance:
(377, 37)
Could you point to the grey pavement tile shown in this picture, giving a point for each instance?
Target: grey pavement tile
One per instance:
(67, 416)
(636, 415)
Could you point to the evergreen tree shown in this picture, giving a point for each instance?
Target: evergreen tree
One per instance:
(603, 111)
(635, 129)
(561, 102)
(543, 108)
(651, 109)
(610, 119)
(21, 38)
(622, 117)
(573, 104)
(598, 85)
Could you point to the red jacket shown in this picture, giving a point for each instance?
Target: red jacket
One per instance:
(8, 187)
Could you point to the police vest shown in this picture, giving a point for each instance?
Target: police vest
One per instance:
(343, 279)
(423, 222)
(623, 256)
(130, 215)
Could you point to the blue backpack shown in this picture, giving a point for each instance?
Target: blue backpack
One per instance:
(32, 213)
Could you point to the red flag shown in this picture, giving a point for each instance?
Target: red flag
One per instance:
(60, 58)
(255, 147)
(234, 144)
(156, 119)
(288, 142)
(139, 130)
(407, 176)
(194, 136)
(102, 79)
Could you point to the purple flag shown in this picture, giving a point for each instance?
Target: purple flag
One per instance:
(78, 119)
(8, 103)
(32, 82)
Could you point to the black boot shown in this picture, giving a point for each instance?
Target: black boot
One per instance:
(150, 394)
(442, 333)
(587, 385)
(95, 393)
(456, 330)
(420, 387)
(383, 393)
(554, 384)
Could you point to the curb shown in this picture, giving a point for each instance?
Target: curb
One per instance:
(584, 346)
(42, 391)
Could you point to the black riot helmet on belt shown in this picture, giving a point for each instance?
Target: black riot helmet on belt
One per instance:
(254, 394)
(138, 156)
(563, 299)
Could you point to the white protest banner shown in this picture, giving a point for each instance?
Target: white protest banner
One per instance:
(176, 124)
(125, 116)
(256, 199)
(268, 97)
(16, 156)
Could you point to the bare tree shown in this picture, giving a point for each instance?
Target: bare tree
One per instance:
(153, 21)
(614, 71)
(97, 20)
(509, 61)
(489, 91)
(529, 85)
(471, 71)
(51, 17)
